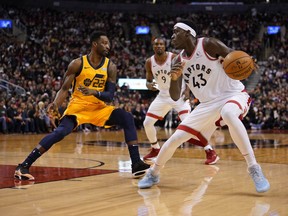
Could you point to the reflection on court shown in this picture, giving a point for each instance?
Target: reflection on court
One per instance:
(90, 174)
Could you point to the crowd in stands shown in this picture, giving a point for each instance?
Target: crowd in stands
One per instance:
(269, 107)
(55, 37)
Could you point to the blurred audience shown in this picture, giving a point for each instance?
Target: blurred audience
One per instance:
(38, 64)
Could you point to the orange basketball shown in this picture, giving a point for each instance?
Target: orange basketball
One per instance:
(238, 65)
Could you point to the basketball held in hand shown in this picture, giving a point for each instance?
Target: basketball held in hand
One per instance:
(238, 65)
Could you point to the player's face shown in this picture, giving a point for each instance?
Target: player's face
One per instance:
(159, 46)
(178, 38)
(103, 46)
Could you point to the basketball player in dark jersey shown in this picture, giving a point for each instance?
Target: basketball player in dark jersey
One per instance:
(93, 79)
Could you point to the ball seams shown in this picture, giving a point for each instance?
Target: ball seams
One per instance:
(238, 65)
(244, 68)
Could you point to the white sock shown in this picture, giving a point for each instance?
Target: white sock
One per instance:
(208, 147)
(250, 159)
(155, 169)
(155, 146)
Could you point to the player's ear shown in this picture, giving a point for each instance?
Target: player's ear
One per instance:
(94, 43)
(187, 33)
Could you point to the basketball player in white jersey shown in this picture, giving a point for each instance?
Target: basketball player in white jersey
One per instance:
(158, 68)
(200, 65)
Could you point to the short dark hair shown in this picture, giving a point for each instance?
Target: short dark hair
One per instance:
(190, 23)
(96, 35)
(159, 38)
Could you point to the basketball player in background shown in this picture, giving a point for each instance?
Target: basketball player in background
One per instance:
(158, 68)
(200, 66)
(93, 79)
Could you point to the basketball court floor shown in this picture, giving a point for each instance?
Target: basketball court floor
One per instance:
(90, 174)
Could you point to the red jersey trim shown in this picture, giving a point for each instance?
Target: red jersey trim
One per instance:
(183, 112)
(193, 132)
(154, 116)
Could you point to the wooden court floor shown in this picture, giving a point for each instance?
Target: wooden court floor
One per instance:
(90, 174)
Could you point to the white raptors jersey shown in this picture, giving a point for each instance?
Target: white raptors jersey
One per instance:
(161, 74)
(206, 77)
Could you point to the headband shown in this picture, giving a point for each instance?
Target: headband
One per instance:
(186, 27)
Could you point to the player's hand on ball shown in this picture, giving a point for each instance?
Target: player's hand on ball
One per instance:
(176, 70)
(221, 59)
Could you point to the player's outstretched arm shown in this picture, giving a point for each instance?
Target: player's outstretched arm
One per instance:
(62, 94)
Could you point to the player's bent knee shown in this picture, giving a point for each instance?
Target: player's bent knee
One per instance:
(230, 111)
(61, 132)
(148, 122)
(129, 118)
